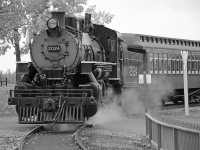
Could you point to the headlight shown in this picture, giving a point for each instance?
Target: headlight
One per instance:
(52, 23)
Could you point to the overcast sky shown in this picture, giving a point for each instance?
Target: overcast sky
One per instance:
(171, 18)
(168, 18)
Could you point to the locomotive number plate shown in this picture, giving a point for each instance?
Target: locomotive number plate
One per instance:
(54, 48)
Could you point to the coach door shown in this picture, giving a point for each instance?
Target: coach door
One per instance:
(122, 46)
(133, 66)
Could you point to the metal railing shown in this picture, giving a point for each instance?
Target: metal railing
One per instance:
(172, 134)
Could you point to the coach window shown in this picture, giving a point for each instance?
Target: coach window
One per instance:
(173, 63)
(193, 64)
(165, 63)
(181, 42)
(196, 64)
(146, 39)
(177, 64)
(169, 63)
(165, 41)
(199, 63)
(142, 39)
(178, 57)
(155, 66)
(151, 62)
(156, 40)
(181, 64)
(185, 43)
(160, 63)
(189, 64)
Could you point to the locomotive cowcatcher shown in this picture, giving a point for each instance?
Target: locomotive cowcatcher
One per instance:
(70, 70)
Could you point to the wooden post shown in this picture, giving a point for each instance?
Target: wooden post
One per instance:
(185, 80)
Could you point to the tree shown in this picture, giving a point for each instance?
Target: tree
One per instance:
(12, 18)
(100, 17)
(14, 21)
(24, 18)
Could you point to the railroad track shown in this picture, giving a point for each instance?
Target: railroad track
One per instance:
(56, 137)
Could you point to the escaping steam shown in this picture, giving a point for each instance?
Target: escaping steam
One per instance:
(112, 111)
(133, 103)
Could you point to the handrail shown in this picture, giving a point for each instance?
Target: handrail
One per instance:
(166, 134)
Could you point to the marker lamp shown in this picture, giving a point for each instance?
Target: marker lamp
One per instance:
(52, 23)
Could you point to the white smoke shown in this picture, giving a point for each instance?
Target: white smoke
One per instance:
(133, 103)
(109, 113)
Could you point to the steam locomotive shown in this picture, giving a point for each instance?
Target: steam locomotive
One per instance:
(74, 63)
(69, 72)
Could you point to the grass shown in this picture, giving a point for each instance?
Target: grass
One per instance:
(6, 109)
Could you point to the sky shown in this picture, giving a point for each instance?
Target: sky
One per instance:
(167, 18)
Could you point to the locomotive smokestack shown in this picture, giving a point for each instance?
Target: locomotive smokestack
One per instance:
(60, 16)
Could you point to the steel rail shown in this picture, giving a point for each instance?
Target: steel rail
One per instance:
(40, 128)
(36, 129)
(81, 145)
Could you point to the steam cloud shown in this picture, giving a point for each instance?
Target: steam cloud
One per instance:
(133, 103)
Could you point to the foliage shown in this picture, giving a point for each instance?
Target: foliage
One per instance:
(69, 6)
(25, 18)
(100, 17)
(11, 16)
(14, 16)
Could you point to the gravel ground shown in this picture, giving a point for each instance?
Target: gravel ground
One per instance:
(10, 131)
(179, 114)
(111, 130)
(126, 134)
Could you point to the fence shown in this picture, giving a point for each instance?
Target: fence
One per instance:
(169, 134)
(3, 81)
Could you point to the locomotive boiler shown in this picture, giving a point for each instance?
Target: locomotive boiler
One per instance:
(67, 76)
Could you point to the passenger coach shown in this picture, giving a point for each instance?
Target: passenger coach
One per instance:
(163, 62)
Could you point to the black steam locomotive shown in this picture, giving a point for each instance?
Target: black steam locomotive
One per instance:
(74, 62)
(69, 72)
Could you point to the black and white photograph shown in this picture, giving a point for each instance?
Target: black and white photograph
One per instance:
(99, 75)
